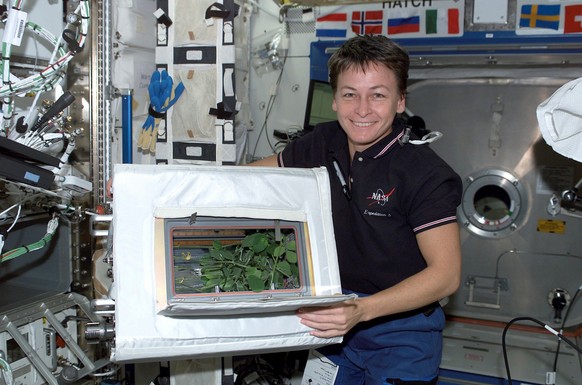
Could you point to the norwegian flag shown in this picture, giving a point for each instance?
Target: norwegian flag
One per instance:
(367, 22)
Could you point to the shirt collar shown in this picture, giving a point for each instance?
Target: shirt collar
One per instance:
(389, 142)
(339, 143)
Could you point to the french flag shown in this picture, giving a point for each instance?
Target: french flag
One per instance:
(333, 25)
(404, 25)
(367, 22)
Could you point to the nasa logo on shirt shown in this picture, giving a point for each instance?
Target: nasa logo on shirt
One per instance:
(379, 197)
(376, 201)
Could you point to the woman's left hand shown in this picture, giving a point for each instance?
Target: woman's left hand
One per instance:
(332, 321)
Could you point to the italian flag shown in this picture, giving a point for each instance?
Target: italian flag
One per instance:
(442, 21)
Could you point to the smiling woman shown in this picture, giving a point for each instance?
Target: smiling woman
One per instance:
(395, 223)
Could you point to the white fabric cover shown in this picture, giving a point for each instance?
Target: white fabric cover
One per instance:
(142, 192)
(190, 117)
(560, 120)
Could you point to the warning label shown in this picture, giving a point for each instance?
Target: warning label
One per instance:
(551, 226)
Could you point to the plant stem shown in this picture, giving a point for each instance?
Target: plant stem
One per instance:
(234, 263)
(273, 270)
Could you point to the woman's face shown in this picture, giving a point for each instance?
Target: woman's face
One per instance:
(366, 103)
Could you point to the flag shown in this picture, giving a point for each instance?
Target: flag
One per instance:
(404, 25)
(540, 16)
(573, 19)
(333, 25)
(442, 21)
(367, 22)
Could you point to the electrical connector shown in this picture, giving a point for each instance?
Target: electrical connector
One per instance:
(274, 89)
(280, 134)
(290, 134)
(550, 378)
(77, 184)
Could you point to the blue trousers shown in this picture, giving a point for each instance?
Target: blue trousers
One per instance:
(405, 349)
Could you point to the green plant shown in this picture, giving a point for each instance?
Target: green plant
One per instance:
(259, 262)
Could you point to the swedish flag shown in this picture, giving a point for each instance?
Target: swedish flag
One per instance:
(540, 16)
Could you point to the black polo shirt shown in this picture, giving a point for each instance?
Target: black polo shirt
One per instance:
(396, 192)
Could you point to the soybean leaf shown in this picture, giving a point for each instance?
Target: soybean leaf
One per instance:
(258, 242)
(279, 250)
(291, 256)
(284, 267)
(253, 271)
(255, 283)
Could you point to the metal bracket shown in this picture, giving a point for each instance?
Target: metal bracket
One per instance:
(95, 219)
(489, 285)
(47, 309)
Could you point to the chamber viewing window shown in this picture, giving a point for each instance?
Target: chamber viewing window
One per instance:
(493, 204)
(210, 259)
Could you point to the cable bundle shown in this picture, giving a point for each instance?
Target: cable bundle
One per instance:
(48, 77)
(6, 372)
(52, 226)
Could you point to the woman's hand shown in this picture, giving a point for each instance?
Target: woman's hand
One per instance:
(331, 321)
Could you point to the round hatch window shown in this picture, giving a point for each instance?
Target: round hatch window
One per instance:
(493, 203)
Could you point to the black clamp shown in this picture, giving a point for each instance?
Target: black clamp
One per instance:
(216, 10)
(155, 114)
(163, 18)
(221, 112)
(70, 38)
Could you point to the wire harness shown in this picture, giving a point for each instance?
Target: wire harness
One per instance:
(6, 372)
(52, 226)
(65, 47)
